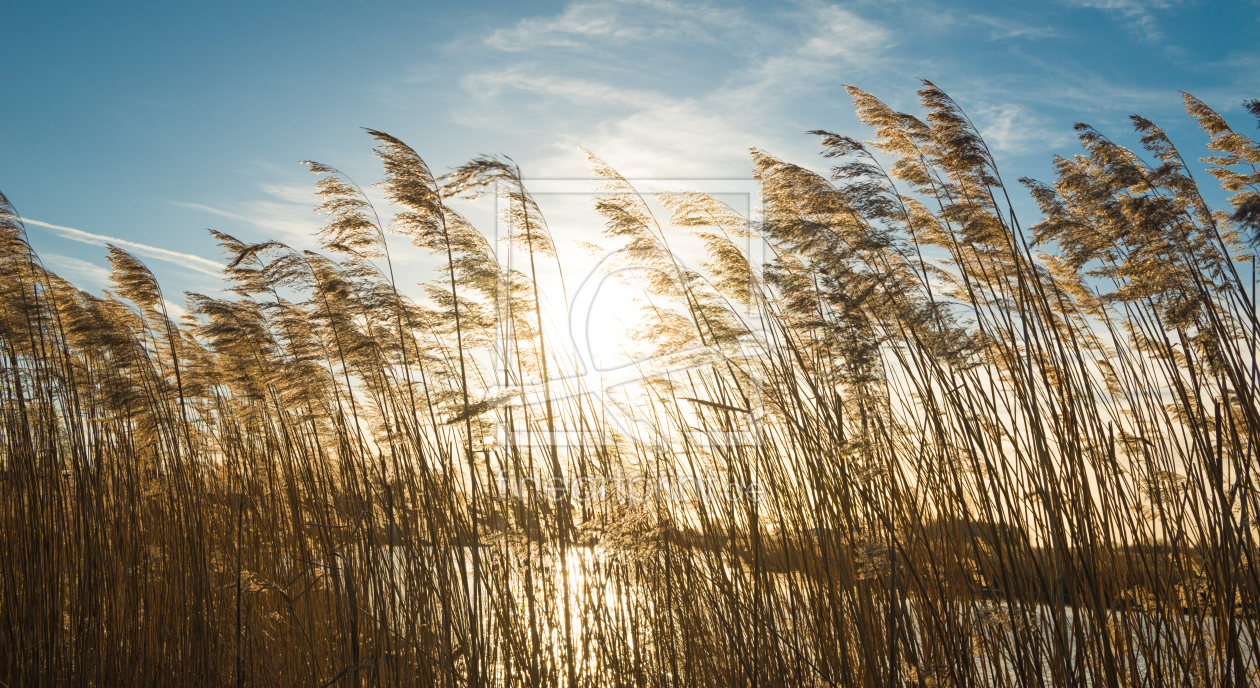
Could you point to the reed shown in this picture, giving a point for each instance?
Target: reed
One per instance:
(973, 453)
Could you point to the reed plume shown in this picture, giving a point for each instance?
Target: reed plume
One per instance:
(919, 443)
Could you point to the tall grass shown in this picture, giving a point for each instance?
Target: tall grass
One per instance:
(974, 453)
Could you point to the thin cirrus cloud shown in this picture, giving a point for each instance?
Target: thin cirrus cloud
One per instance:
(584, 25)
(658, 127)
(646, 132)
(187, 260)
(285, 213)
(80, 272)
(1002, 28)
(758, 77)
(1139, 15)
(84, 274)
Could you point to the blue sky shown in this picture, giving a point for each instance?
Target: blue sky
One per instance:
(150, 123)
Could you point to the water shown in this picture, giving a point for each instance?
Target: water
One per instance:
(613, 625)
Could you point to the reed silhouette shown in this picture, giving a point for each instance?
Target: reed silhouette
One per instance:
(974, 453)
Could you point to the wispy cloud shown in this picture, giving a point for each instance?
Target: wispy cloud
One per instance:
(492, 84)
(1003, 28)
(754, 67)
(837, 32)
(590, 25)
(78, 272)
(83, 274)
(1138, 14)
(187, 260)
(1011, 128)
(290, 218)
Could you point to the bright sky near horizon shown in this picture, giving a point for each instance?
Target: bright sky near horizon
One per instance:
(143, 125)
